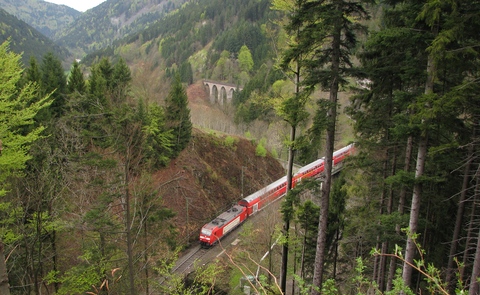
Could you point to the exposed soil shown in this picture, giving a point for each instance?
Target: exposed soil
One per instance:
(206, 178)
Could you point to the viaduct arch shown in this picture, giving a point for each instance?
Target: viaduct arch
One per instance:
(221, 93)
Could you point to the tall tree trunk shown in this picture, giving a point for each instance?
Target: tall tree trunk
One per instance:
(56, 285)
(384, 276)
(474, 285)
(286, 225)
(4, 286)
(128, 225)
(410, 249)
(37, 271)
(458, 221)
(295, 262)
(380, 260)
(469, 238)
(335, 257)
(401, 209)
(330, 141)
(145, 255)
(291, 156)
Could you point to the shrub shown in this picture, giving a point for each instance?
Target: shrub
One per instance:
(230, 141)
(261, 150)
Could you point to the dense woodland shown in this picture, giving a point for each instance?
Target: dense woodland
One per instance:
(35, 45)
(400, 218)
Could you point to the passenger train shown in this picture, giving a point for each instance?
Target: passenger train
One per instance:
(213, 231)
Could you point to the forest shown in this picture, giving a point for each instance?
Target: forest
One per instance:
(78, 151)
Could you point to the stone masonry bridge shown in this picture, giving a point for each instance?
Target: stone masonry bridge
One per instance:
(219, 92)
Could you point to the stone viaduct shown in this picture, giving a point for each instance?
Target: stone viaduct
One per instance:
(219, 92)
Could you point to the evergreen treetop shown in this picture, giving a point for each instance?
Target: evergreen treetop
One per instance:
(177, 116)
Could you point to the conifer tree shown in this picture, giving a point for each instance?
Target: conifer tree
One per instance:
(97, 88)
(121, 78)
(186, 72)
(33, 71)
(326, 38)
(54, 81)
(292, 109)
(76, 81)
(177, 115)
(17, 110)
(158, 140)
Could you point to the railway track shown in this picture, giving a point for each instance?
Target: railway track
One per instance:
(186, 263)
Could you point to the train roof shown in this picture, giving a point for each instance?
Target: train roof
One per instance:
(319, 161)
(265, 189)
(342, 150)
(284, 178)
(225, 217)
(309, 166)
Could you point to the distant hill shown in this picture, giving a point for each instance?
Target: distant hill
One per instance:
(98, 27)
(24, 38)
(198, 33)
(45, 17)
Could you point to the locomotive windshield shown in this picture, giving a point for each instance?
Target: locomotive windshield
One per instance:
(206, 232)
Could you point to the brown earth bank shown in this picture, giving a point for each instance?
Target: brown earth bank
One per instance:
(206, 179)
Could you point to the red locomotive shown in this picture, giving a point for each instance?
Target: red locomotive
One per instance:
(213, 231)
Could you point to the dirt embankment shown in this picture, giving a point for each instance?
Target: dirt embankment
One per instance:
(206, 178)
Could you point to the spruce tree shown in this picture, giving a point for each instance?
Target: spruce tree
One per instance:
(76, 82)
(177, 115)
(54, 81)
(326, 38)
(33, 72)
(121, 78)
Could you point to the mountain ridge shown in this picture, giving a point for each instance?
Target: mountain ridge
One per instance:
(26, 39)
(116, 18)
(47, 18)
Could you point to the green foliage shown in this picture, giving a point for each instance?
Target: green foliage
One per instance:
(177, 116)
(81, 278)
(76, 81)
(230, 141)
(47, 18)
(158, 140)
(245, 59)
(202, 281)
(431, 274)
(36, 45)
(260, 150)
(250, 102)
(186, 72)
(54, 81)
(362, 284)
(18, 107)
(121, 78)
(33, 71)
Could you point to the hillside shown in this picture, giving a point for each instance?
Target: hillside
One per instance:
(208, 175)
(98, 27)
(25, 39)
(45, 17)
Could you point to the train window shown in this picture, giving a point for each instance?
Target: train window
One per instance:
(206, 232)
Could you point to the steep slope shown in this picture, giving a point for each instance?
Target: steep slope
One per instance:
(206, 178)
(45, 17)
(113, 19)
(24, 38)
